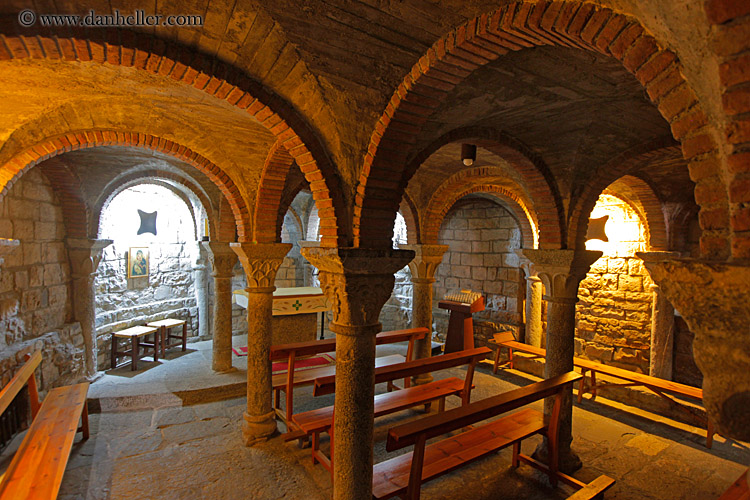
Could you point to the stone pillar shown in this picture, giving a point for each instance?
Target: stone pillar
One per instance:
(662, 324)
(713, 300)
(223, 260)
(200, 283)
(84, 256)
(561, 271)
(533, 333)
(426, 261)
(358, 282)
(260, 262)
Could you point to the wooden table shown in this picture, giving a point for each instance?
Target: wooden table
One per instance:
(135, 333)
(164, 325)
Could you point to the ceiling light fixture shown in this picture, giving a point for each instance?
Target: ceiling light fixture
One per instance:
(468, 154)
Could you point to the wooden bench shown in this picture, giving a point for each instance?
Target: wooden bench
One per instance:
(594, 489)
(740, 489)
(659, 386)
(164, 326)
(286, 382)
(315, 422)
(39, 463)
(134, 333)
(403, 475)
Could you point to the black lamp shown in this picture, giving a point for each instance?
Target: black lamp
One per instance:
(468, 154)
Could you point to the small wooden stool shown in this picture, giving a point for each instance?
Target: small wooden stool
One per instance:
(164, 325)
(134, 334)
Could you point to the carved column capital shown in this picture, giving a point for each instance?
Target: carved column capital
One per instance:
(261, 261)
(561, 270)
(713, 298)
(427, 259)
(222, 258)
(85, 255)
(526, 265)
(358, 282)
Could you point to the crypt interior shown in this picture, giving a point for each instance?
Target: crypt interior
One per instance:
(583, 165)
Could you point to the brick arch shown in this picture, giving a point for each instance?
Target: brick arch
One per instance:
(731, 22)
(67, 187)
(25, 160)
(618, 167)
(268, 216)
(216, 78)
(286, 202)
(452, 191)
(650, 207)
(516, 26)
(411, 217)
(162, 178)
(541, 188)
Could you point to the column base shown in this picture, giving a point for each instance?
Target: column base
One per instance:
(424, 378)
(568, 461)
(258, 428)
(94, 377)
(218, 370)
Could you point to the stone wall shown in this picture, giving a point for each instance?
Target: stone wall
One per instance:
(685, 370)
(614, 309)
(482, 237)
(35, 305)
(168, 290)
(396, 313)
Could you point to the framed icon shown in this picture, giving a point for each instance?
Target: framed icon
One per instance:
(138, 262)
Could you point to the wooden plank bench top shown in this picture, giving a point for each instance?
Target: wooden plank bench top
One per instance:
(594, 489)
(403, 475)
(740, 489)
(135, 331)
(308, 376)
(38, 465)
(167, 323)
(657, 385)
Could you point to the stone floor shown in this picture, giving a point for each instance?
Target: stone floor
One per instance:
(157, 447)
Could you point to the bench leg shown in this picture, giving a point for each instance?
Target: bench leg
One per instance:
(709, 434)
(593, 385)
(184, 337)
(85, 421)
(581, 385)
(441, 405)
(114, 351)
(516, 451)
(135, 343)
(497, 360)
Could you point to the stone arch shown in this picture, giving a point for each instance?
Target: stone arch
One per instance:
(411, 217)
(650, 207)
(218, 79)
(23, 161)
(441, 203)
(162, 178)
(617, 168)
(67, 186)
(268, 215)
(513, 27)
(542, 190)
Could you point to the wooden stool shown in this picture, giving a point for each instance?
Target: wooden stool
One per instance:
(134, 334)
(164, 326)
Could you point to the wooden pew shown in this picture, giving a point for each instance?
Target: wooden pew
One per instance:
(286, 382)
(37, 467)
(315, 422)
(740, 489)
(403, 475)
(659, 386)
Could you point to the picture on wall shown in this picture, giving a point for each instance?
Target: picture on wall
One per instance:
(138, 262)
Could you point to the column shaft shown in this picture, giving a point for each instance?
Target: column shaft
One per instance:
(223, 260)
(662, 335)
(534, 331)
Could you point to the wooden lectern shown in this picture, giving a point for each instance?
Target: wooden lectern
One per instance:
(460, 325)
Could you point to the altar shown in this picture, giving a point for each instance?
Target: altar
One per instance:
(295, 312)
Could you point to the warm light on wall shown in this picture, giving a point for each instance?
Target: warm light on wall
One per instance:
(624, 228)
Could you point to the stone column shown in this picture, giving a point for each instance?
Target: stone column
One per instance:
(358, 282)
(426, 261)
(533, 333)
(260, 262)
(84, 256)
(561, 271)
(713, 299)
(201, 292)
(223, 260)
(662, 324)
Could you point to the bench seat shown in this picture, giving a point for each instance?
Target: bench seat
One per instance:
(391, 478)
(314, 422)
(37, 467)
(594, 489)
(307, 377)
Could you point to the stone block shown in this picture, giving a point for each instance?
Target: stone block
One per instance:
(592, 281)
(58, 295)
(494, 234)
(470, 259)
(45, 231)
(48, 212)
(463, 235)
(479, 273)
(31, 299)
(37, 189)
(458, 223)
(53, 274)
(480, 246)
(460, 246)
(492, 260)
(23, 230)
(32, 254)
(599, 266)
(511, 303)
(599, 353)
(36, 275)
(501, 246)
(511, 260)
(484, 223)
(21, 209)
(469, 284)
(6, 228)
(636, 268)
(445, 236)
(630, 283)
(493, 287)
(510, 288)
(491, 273)
(609, 282)
(54, 251)
(617, 266)
(451, 283)
(461, 271)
